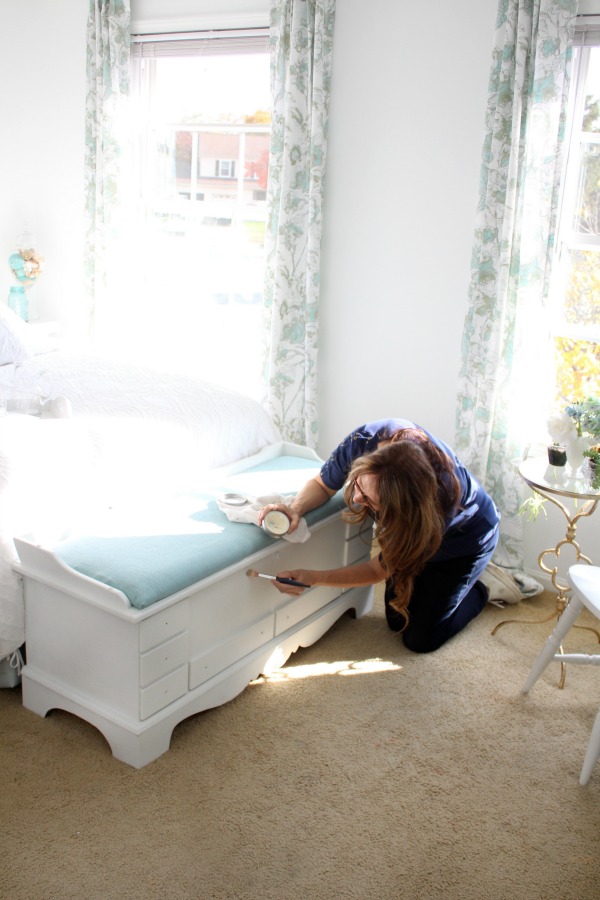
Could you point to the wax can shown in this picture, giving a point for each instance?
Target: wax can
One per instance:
(276, 523)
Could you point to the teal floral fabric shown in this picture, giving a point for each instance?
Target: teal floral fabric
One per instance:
(108, 78)
(505, 350)
(301, 58)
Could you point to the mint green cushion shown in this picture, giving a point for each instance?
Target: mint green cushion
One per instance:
(192, 540)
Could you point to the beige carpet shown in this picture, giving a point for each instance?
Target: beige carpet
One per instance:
(358, 771)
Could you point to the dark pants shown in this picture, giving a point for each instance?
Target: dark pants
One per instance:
(445, 597)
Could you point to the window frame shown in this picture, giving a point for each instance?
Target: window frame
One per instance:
(587, 38)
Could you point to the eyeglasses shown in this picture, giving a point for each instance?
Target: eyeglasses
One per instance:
(364, 501)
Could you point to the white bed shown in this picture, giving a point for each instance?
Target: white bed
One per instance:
(146, 447)
(132, 431)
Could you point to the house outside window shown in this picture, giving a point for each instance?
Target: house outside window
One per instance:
(576, 273)
(225, 168)
(200, 169)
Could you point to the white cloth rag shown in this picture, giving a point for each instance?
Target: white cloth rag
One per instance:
(529, 587)
(248, 513)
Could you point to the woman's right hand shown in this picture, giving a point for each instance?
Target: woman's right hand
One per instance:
(302, 576)
(287, 510)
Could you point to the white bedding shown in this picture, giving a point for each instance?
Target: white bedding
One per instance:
(226, 425)
(134, 433)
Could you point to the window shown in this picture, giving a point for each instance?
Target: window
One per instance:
(200, 165)
(225, 168)
(576, 275)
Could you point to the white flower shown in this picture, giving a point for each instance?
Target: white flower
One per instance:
(561, 427)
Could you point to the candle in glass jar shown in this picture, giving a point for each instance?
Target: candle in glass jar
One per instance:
(557, 456)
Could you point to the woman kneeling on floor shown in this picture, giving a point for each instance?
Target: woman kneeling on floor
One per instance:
(435, 526)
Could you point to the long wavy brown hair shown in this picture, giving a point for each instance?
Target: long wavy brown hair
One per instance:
(418, 491)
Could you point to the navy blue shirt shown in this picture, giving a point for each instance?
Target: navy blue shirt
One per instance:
(476, 517)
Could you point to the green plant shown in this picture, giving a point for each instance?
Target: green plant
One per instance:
(593, 454)
(533, 506)
(586, 415)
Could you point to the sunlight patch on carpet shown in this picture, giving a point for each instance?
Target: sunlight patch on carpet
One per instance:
(342, 667)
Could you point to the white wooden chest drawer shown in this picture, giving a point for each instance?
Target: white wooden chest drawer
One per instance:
(164, 659)
(163, 692)
(210, 662)
(163, 625)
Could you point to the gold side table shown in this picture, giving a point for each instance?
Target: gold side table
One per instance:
(576, 499)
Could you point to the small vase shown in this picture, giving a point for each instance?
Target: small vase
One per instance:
(575, 450)
(17, 301)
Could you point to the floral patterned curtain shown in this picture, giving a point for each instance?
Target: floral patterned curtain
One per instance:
(505, 354)
(108, 76)
(301, 56)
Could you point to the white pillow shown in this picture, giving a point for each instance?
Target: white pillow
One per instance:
(14, 340)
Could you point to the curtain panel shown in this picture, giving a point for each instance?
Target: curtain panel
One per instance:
(506, 347)
(301, 58)
(108, 78)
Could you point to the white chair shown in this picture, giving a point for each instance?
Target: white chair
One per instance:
(585, 581)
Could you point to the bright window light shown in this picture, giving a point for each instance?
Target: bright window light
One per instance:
(197, 218)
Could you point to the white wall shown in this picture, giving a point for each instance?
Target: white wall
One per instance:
(152, 16)
(406, 130)
(42, 103)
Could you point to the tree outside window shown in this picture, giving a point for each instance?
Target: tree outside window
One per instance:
(576, 281)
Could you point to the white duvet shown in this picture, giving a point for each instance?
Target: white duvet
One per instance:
(134, 434)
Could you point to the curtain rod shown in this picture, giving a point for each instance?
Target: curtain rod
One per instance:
(200, 35)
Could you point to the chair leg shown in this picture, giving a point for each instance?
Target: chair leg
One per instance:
(592, 753)
(552, 645)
